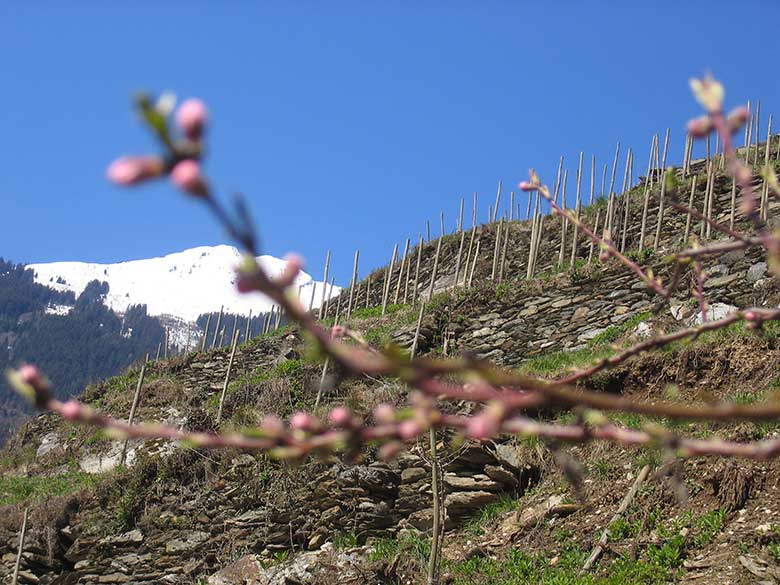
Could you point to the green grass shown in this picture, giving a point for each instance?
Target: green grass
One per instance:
(414, 545)
(17, 489)
(487, 514)
(556, 362)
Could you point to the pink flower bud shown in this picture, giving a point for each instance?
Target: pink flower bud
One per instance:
(291, 269)
(737, 118)
(272, 425)
(131, 170)
(526, 186)
(338, 331)
(389, 450)
(303, 421)
(192, 117)
(186, 176)
(70, 410)
(699, 127)
(31, 375)
(750, 316)
(409, 429)
(340, 417)
(483, 426)
(384, 413)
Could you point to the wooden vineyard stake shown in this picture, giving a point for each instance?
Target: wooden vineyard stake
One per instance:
(388, 279)
(249, 321)
(428, 230)
(460, 215)
(626, 199)
(765, 187)
(404, 262)
(592, 178)
(22, 535)
(460, 255)
(496, 248)
(417, 270)
(610, 194)
(503, 253)
(689, 218)
(646, 202)
(435, 269)
(133, 407)
(474, 263)
(235, 324)
(417, 330)
(468, 256)
(706, 205)
(498, 200)
(353, 283)
(227, 379)
(205, 334)
(666, 150)
(442, 225)
(661, 203)
(368, 290)
(595, 231)
(512, 206)
(216, 327)
(324, 284)
(577, 212)
(564, 220)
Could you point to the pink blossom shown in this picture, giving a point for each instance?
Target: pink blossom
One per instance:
(699, 127)
(340, 417)
(338, 331)
(303, 421)
(131, 170)
(526, 186)
(192, 117)
(70, 410)
(291, 269)
(272, 425)
(384, 413)
(31, 375)
(737, 117)
(187, 177)
(483, 426)
(409, 429)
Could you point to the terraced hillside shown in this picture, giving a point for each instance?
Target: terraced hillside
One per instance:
(519, 511)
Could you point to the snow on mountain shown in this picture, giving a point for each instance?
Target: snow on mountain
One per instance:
(181, 285)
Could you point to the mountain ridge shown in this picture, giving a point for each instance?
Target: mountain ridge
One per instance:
(183, 284)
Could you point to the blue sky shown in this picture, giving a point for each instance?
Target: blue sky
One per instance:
(346, 125)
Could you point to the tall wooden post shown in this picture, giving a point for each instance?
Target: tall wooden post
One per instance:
(401, 272)
(417, 330)
(690, 206)
(353, 284)
(368, 290)
(227, 379)
(564, 220)
(507, 228)
(22, 535)
(442, 224)
(435, 269)
(133, 407)
(460, 255)
(248, 331)
(324, 284)
(205, 333)
(512, 206)
(578, 210)
(496, 248)
(610, 202)
(626, 199)
(474, 263)
(595, 231)
(216, 328)
(498, 199)
(460, 215)
(388, 279)
(661, 204)
(417, 270)
(466, 264)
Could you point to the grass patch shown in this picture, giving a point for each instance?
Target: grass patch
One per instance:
(16, 489)
(414, 545)
(487, 514)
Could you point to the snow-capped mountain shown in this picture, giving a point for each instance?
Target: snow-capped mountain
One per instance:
(181, 285)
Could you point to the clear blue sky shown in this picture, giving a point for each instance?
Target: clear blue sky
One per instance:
(347, 125)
